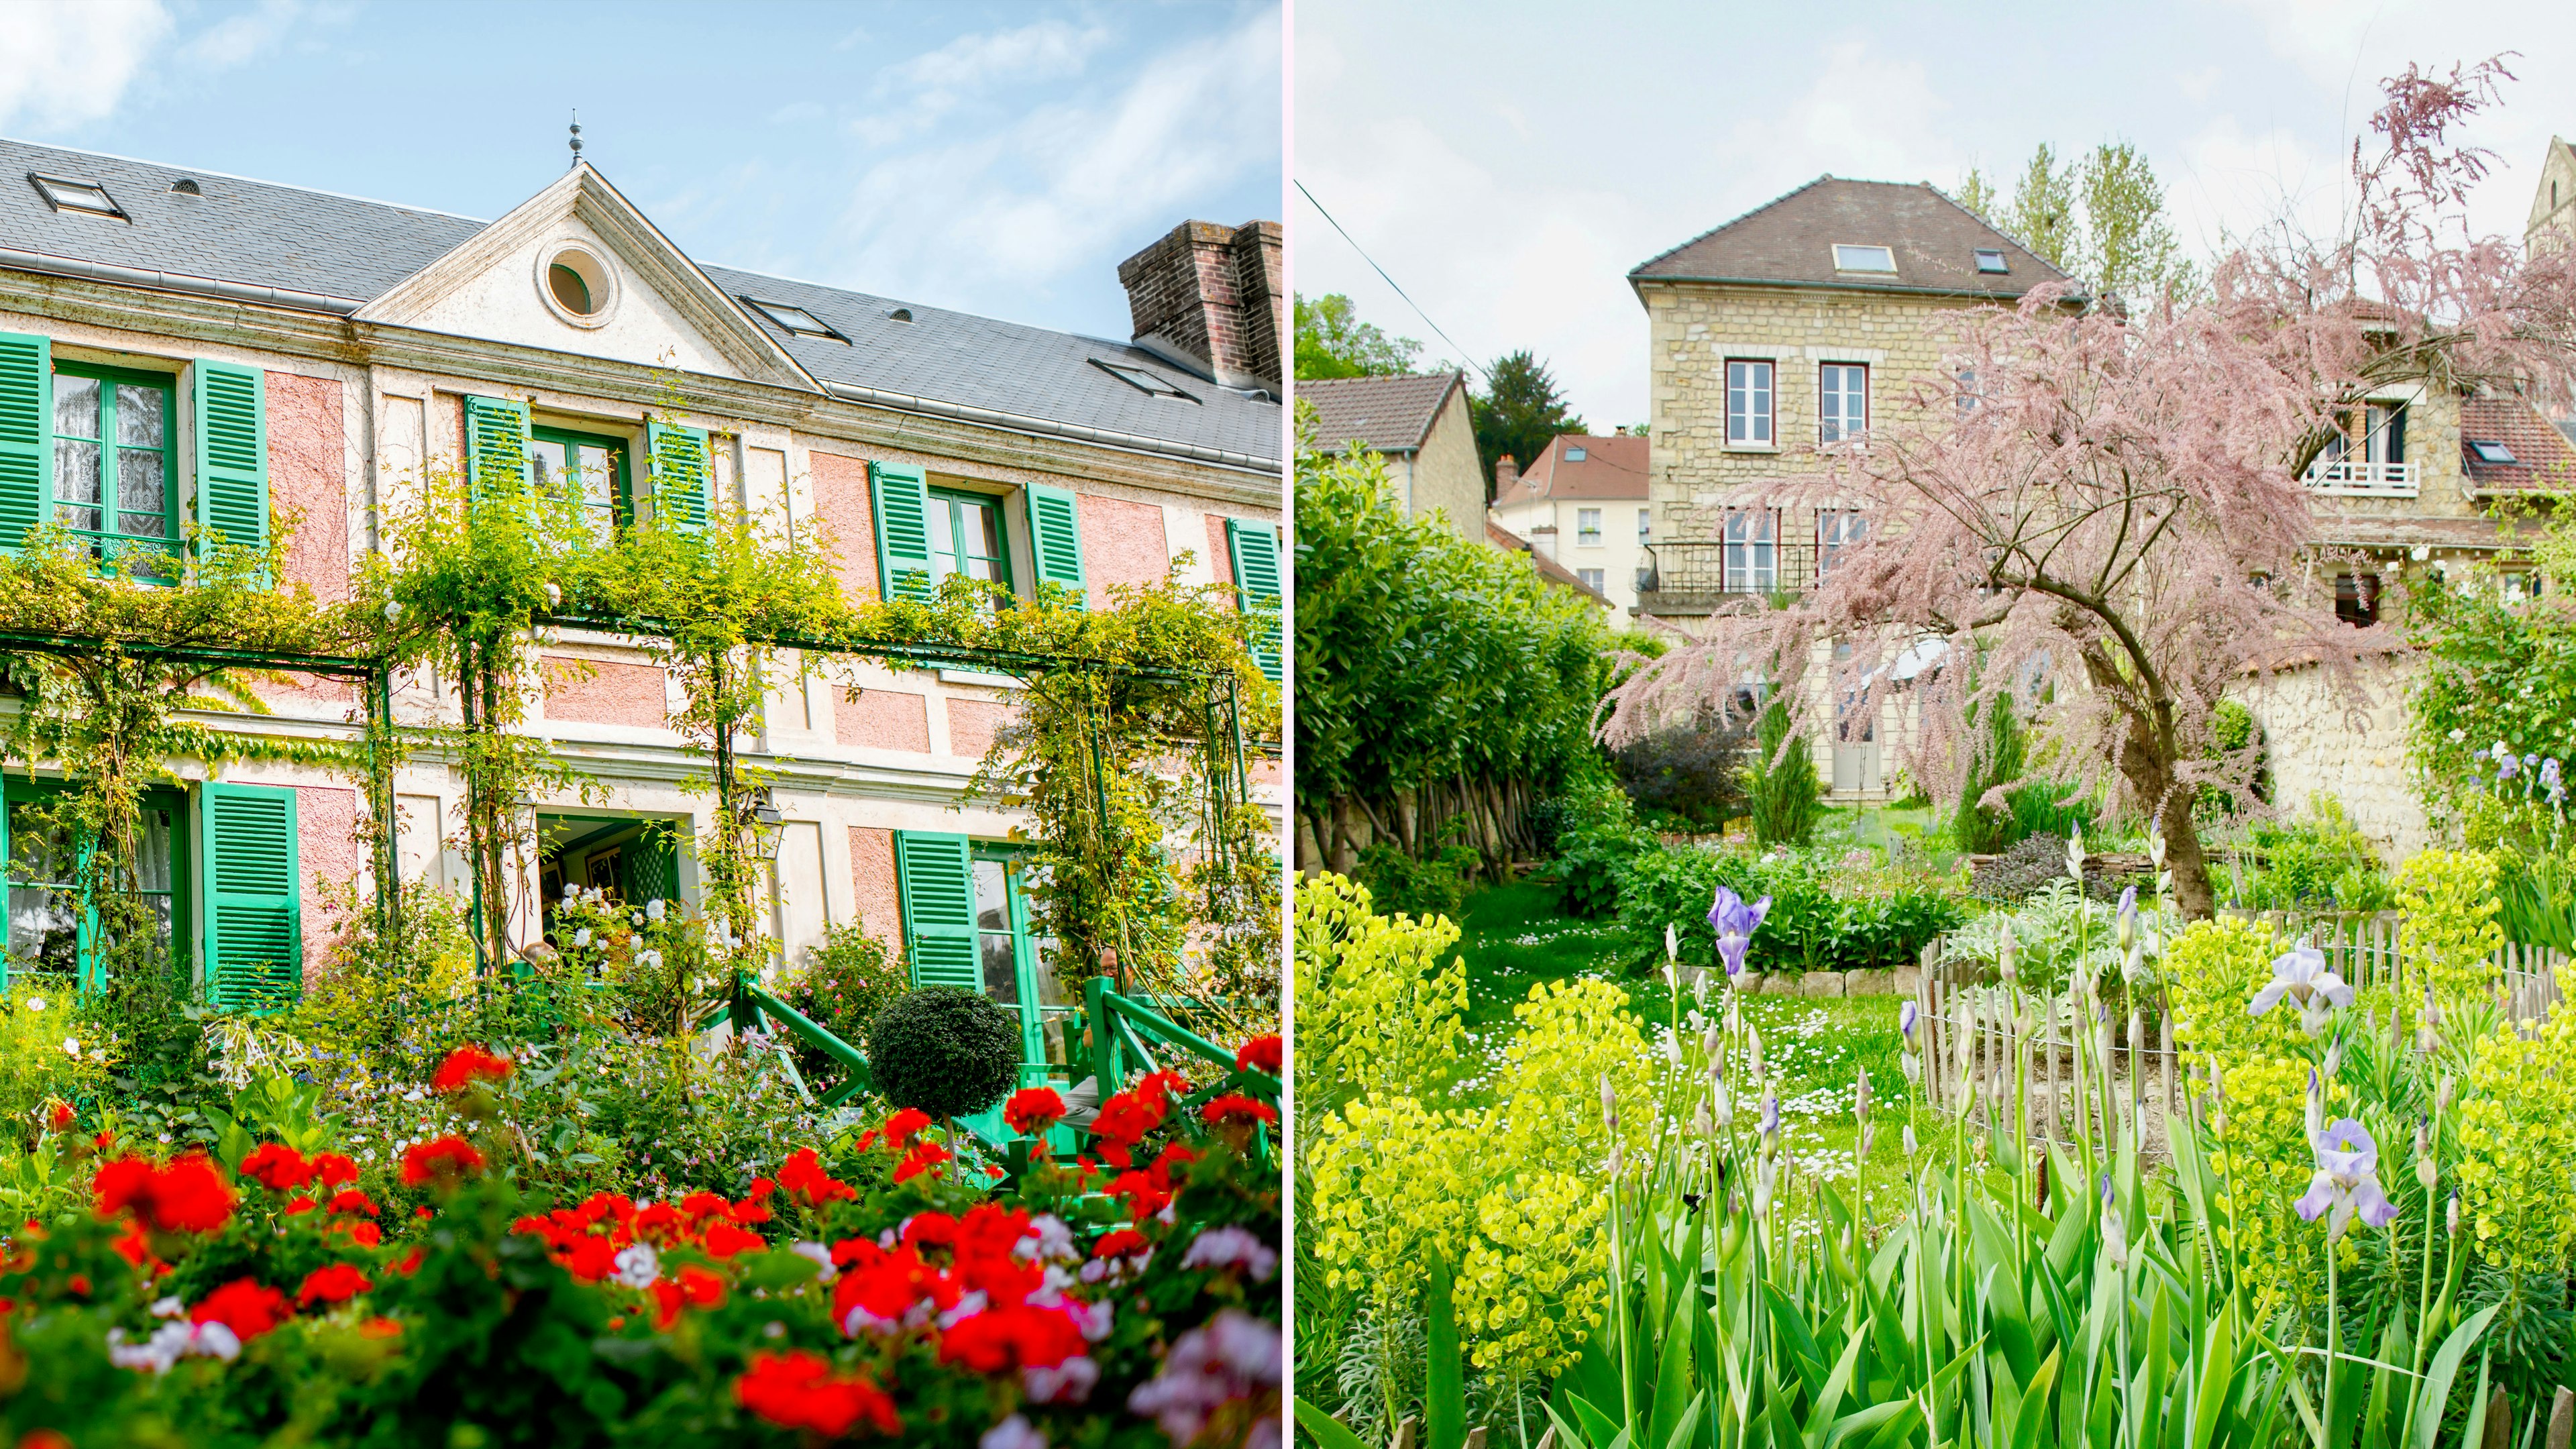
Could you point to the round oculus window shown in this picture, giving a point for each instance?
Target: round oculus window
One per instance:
(577, 286)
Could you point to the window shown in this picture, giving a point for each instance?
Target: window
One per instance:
(966, 537)
(1967, 389)
(794, 320)
(64, 194)
(1575, 455)
(1149, 383)
(1592, 578)
(1843, 402)
(587, 467)
(1748, 404)
(2357, 599)
(1018, 968)
(1587, 527)
(2519, 584)
(2491, 451)
(49, 935)
(1863, 259)
(1645, 524)
(1836, 529)
(1991, 260)
(2386, 440)
(1752, 551)
(113, 465)
(580, 287)
(1645, 578)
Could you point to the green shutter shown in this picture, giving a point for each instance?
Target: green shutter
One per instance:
(937, 882)
(1055, 535)
(1255, 551)
(254, 908)
(902, 506)
(26, 434)
(681, 476)
(232, 452)
(496, 444)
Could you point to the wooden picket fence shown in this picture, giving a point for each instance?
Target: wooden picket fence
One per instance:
(1971, 1031)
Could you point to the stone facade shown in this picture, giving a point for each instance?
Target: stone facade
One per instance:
(1444, 476)
(2320, 743)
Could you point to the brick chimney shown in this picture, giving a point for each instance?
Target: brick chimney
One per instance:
(1506, 473)
(1210, 298)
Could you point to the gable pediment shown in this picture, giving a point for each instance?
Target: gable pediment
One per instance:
(637, 299)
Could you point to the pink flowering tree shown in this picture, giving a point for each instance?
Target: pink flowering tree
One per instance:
(2095, 511)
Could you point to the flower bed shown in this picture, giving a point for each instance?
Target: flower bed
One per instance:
(891, 1284)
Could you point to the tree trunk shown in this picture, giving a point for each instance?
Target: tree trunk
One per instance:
(2147, 763)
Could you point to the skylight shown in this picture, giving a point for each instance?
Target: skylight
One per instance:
(795, 319)
(2491, 451)
(1991, 259)
(1863, 259)
(1141, 380)
(1575, 455)
(64, 194)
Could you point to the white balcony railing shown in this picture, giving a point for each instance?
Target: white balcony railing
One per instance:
(2357, 477)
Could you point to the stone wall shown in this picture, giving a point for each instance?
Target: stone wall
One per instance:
(2318, 742)
(1447, 476)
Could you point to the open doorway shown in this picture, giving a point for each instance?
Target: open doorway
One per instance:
(632, 859)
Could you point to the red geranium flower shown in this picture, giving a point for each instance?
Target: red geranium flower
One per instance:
(409, 1263)
(186, 1195)
(1004, 1338)
(1261, 1054)
(445, 1159)
(60, 1117)
(798, 1390)
(337, 1283)
(277, 1167)
(924, 1157)
(1033, 1110)
(301, 1204)
(900, 1127)
(334, 1170)
(364, 1234)
(1237, 1111)
(467, 1065)
(1120, 1244)
(696, 1286)
(353, 1201)
(803, 1177)
(380, 1327)
(724, 1240)
(245, 1306)
(1125, 1119)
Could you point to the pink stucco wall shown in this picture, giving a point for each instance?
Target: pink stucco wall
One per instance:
(872, 877)
(1220, 560)
(972, 724)
(308, 486)
(1122, 543)
(327, 848)
(841, 500)
(882, 719)
(619, 694)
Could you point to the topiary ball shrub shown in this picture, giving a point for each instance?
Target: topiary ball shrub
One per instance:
(945, 1050)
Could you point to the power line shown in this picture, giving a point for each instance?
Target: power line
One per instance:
(1390, 281)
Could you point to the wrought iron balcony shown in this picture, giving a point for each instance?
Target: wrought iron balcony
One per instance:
(1692, 577)
(2360, 478)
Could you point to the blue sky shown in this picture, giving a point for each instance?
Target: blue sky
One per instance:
(1509, 161)
(994, 158)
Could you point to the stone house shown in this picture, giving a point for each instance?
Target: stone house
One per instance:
(306, 356)
(1418, 422)
(1585, 502)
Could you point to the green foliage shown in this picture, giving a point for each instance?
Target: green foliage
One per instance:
(2129, 250)
(1519, 413)
(1781, 790)
(849, 976)
(1423, 657)
(945, 1050)
(1424, 885)
(1831, 910)
(38, 1069)
(1596, 836)
(2501, 672)
(1332, 341)
(2322, 862)
(2042, 216)
(1692, 772)
(1978, 828)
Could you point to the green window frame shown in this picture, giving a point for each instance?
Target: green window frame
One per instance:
(609, 507)
(951, 545)
(42, 903)
(118, 440)
(1014, 961)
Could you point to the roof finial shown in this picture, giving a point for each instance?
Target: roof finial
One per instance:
(576, 138)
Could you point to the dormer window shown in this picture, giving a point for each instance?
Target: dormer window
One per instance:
(1991, 260)
(1151, 384)
(795, 321)
(2491, 451)
(1863, 259)
(1575, 455)
(64, 194)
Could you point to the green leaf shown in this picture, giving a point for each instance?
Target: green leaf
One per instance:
(1327, 1432)
(1444, 1393)
(2446, 1367)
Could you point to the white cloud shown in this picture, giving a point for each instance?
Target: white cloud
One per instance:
(66, 65)
(929, 86)
(238, 39)
(1070, 179)
(1865, 116)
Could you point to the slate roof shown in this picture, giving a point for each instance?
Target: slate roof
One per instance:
(1611, 467)
(262, 235)
(2543, 458)
(1390, 414)
(1790, 242)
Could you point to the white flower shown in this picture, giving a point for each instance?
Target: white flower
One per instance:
(581, 938)
(654, 909)
(71, 1046)
(638, 1265)
(35, 1003)
(1012, 1433)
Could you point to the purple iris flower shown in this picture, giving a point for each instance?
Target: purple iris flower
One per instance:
(2299, 975)
(2506, 764)
(1905, 1015)
(2347, 1181)
(1771, 1114)
(1734, 922)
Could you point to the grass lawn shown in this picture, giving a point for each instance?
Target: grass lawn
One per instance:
(1512, 939)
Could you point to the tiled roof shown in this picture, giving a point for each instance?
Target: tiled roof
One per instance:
(262, 235)
(1548, 568)
(1386, 414)
(1791, 242)
(2543, 458)
(1611, 467)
